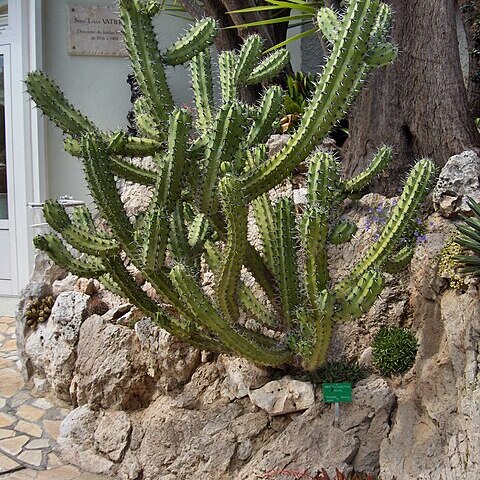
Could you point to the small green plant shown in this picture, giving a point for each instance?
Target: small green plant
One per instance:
(339, 371)
(470, 240)
(300, 88)
(394, 350)
(38, 310)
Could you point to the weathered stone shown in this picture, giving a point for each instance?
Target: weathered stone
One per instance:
(111, 370)
(89, 286)
(44, 274)
(173, 361)
(311, 442)
(112, 434)
(116, 312)
(458, 180)
(276, 143)
(283, 396)
(66, 284)
(366, 358)
(51, 347)
(241, 375)
(437, 428)
(77, 439)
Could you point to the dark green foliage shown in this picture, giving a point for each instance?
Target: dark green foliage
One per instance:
(394, 350)
(339, 371)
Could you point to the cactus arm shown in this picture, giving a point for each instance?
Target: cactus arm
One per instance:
(133, 173)
(265, 220)
(328, 23)
(130, 147)
(226, 64)
(286, 259)
(270, 66)
(322, 194)
(155, 238)
(399, 261)
(202, 83)
(107, 281)
(50, 99)
(379, 162)
(207, 316)
(231, 263)
(269, 109)
(198, 231)
(334, 88)
(179, 244)
(89, 267)
(198, 38)
(146, 59)
(222, 147)
(248, 300)
(84, 241)
(343, 232)
(323, 331)
(361, 296)
(248, 58)
(382, 54)
(415, 190)
(82, 218)
(143, 120)
(313, 234)
(381, 25)
(103, 187)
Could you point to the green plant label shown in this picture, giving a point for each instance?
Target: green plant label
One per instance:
(337, 392)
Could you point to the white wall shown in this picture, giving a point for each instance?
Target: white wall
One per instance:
(96, 85)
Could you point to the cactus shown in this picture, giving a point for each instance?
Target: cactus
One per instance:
(211, 172)
(470, 240)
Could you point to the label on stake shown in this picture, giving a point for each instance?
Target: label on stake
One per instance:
(337, 392)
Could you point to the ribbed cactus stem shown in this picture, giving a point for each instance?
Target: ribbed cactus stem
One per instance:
(334, 89)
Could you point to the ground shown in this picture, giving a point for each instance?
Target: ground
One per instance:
(28, 424)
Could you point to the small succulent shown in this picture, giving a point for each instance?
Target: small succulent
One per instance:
(38, 310)
(394, 350)
(449, 265)
(470, 229)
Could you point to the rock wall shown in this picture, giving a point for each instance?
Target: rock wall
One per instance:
(148, 407)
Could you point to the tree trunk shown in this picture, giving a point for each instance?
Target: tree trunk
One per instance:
(471, 21)
(232, 38)
(419, 104)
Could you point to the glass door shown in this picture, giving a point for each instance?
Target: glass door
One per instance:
(7, 252)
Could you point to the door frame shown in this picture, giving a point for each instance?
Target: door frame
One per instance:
(23, 36)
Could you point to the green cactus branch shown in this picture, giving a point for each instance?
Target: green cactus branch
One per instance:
(212, 179)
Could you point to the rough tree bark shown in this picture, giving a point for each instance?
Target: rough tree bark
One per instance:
(419, 104)
(471, 21)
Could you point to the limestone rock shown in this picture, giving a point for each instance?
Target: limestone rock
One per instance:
(459, 179)
(51, 347)
(44, 274)
(310, 442)
(66, 284)
(77, 441)
(276, 143)
(366, 358)
(283, 396)
(111, 370)
(173, 360)
(436, 428)
(241, 375)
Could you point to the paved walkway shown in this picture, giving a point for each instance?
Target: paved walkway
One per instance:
(28, 425)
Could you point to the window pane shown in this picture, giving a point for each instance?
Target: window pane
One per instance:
(3, 150)
(3, 13)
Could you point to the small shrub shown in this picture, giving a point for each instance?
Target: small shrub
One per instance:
(340, 371)
(394, 350)
(448, 263)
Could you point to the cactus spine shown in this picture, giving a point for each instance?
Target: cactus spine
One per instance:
(209, 173)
